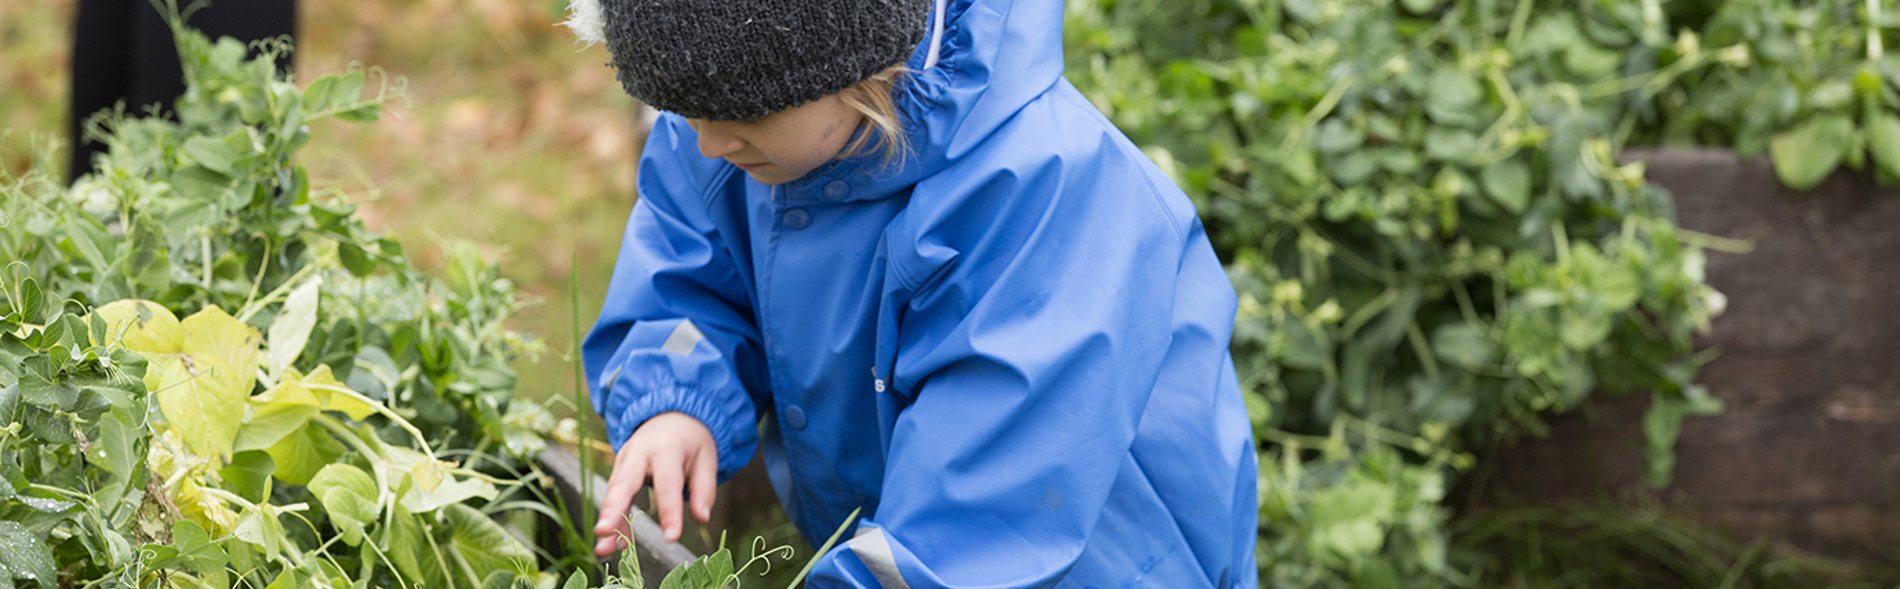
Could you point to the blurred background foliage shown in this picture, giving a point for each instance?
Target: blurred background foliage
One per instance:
(1422, 203)
(1437, 240)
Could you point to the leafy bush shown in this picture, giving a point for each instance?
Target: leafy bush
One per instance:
(325, 414)
(1435, 241)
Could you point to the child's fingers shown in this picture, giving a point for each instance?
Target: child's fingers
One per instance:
(621, 486)
(612, 526)
(705, 484)
(667, 490)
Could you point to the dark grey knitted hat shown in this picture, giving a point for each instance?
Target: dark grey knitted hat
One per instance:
(729, 60)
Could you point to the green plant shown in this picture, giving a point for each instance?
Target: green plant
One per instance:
(1434, 242)
(712, 571)
(325, 413)
(1811, 83)
(74, 484)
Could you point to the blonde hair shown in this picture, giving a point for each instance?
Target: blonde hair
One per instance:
(882, 126)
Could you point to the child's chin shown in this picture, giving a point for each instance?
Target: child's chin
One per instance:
(768, 176)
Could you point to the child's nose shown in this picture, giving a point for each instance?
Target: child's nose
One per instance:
(714, 144)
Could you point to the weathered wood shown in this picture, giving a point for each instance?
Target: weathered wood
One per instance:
(1808, 449)
(657, 556)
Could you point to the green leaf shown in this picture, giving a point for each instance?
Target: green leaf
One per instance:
(349, 495)
(205, 186)
(1336, 136)
(249, 474)
(143, 258)
(500, 580)
(357, 261)
(1450, 144)
(300, 455)
(409, 550)
(212, 153)
(32, 301)
(1805, 155)
(485, 545)
(196, 551)
(90, 240)
(447, 492)
(316, 96)
(1587, 60)
(259, 527)
(1454, 94)
(25, 556)
(362, 114)
(275, 415)
(1508, 183)
(346, 89)
(1419, 6)
(1830, 95)
(1883, 140)
(115, 451)
(578, 580)
(1464, 345)
(291, 330)
(291, 579)
(1306, 347)
(46, 391)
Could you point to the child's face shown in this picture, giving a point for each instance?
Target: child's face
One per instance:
(782, 146)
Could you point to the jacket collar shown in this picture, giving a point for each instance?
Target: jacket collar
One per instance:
(993, 58)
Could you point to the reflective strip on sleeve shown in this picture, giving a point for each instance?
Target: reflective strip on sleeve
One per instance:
(874, 550)
(684, 337)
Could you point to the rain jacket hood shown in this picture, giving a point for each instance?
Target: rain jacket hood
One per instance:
(1008, 349)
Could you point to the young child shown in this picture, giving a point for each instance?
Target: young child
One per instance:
(888, 245)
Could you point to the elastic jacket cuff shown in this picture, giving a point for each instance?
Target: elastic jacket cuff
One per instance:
(730, 423)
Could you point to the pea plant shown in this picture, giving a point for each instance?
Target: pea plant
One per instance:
(215, 376)
(712, 571)
(1436, 241)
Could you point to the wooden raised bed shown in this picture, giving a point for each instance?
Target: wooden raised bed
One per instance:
(1808, 449)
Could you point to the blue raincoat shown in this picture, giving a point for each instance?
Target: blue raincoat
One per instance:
(1010, 351)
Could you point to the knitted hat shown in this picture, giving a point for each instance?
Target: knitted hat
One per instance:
(729, 60)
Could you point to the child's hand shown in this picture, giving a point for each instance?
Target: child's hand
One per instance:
(670, 446)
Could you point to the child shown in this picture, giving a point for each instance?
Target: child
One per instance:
(889, 246)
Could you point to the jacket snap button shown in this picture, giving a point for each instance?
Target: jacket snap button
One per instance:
(797, 219)
(794, 417)
(837, 190)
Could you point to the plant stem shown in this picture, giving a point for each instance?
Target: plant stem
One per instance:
(380, 409)
(349, 437)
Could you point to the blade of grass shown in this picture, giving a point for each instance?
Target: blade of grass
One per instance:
(820, 553)
(581, 406)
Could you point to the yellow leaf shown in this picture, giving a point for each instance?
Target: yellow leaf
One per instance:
(202, 397)
(332, 401)
(142, 326)
(427, 473)
(275, 414)
(212, 331)
(289, 392)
